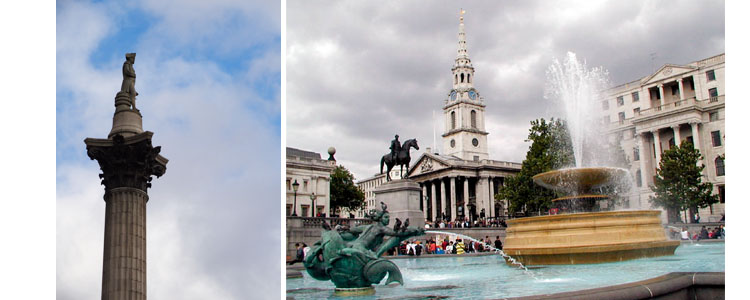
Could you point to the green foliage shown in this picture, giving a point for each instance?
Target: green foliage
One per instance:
(678, 184)
(344, 193)
(550, 148)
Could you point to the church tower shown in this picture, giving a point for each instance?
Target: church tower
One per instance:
(465, 136)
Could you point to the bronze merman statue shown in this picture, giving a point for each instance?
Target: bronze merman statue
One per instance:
(128, 78)
(351, 258)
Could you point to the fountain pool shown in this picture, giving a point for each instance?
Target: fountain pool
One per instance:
(479, 277)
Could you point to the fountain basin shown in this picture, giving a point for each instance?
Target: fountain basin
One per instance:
(585, 238)
(580, 180)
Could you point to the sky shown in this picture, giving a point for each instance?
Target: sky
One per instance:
(208, 78)
(359, 72)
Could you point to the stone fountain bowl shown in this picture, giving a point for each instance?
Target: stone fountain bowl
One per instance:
(580, 180)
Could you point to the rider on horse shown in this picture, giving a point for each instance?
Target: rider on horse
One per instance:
(395, 148)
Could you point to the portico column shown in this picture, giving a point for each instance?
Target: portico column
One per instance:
(424, 200)
(696, 135)
(657, 147)
(466, 196)
(661, 94)
(677, 139)
(434, 201)
(645, 173)
(453, 199)
(492, 198)
(442, 197)
(679, 83)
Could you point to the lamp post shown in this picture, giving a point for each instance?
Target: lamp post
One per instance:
(312, 198)
(295, 187)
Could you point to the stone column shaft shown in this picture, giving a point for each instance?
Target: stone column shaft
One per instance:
(682, 93)
(645, 173)
(696, 139)
(492, 199)
(676, 130)
(657, 148)
(466, 196)
(124, 267)
(424, 200)
(661, 94)
(453, 199)
(443, 208)
(434, 201)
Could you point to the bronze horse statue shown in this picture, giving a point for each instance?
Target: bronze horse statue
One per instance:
(402, 158)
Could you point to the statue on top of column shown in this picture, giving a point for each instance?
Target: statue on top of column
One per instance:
(128, 78)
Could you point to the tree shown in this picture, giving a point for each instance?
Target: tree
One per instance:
(344, 193)
(550, 148)
(678, 183)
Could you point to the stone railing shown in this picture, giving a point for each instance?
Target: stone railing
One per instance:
(308, 222)
(692, 101)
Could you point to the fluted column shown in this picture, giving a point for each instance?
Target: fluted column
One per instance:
(677, 138)
(453, 199)
(661, 94)
(433, 201)
(424, 200)
(696, 135)
(492, 199)
(657, 148)
(466, 196)
(645, 173)
(443, 209)
(124, 267)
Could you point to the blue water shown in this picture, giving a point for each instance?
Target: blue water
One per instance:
(488, 276)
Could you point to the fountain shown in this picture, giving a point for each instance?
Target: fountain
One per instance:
(583, 235)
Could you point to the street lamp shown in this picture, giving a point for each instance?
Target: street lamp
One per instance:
(312, 198)
(295, 187)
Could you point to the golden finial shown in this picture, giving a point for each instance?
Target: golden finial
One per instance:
(462, 15)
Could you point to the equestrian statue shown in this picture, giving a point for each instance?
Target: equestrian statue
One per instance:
(399, 156)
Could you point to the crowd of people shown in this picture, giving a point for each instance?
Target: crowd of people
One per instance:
(466, 223)
(703, 234)
(446, 246)
(301, 253)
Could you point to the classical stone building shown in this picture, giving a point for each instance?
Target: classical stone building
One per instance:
(675, 103)
(313, 176)
(462, 181)
(368, 186)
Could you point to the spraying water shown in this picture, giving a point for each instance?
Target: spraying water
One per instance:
(498, 251)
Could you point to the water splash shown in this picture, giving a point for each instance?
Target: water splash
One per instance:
(578, 90)
(497, 251)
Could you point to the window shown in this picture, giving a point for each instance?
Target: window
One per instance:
(305, 210)
(690, 139)
(716, 138)
(605, 105)
(453, 120)
(638, 178)
(713, 94)
(721, 194)
(636, 154)
(710, 76)
(635, 96)
(714, 116)
(621, 116)
(304, 185)
(675, 90)
(620, 101)
(719, 162)
(462, 77)
(288, 209)
(637, 111)
(468, 78)
(473, 119)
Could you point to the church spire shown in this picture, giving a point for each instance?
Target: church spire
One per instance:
(462, 52)
(462, 69)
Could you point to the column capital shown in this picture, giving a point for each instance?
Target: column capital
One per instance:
(127, 161)
(676, 127)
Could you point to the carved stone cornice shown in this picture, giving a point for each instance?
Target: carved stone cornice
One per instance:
(127, 161)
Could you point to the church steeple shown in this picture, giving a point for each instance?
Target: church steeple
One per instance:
(464, 135)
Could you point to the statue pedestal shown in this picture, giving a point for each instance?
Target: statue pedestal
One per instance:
(402, 198)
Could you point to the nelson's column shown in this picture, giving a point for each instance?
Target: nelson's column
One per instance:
(127, 160)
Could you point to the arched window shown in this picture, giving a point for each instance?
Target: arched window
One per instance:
(719, 162)
(468, 78)
(638, 178)
(462, 77)
(473, 119)
(455, 81)
(453, 120)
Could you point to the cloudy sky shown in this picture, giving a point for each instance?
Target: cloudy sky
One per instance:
(208, 78)
(359, 72)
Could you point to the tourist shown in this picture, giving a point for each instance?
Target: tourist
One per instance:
(498, 243)
(433, 247)
(697, 218)
(684, 234)
(460, 247)
(704, 233)
(418, 248)
(300, 254)
(722, 230)
(305, 250)
(722, 217)
(470, 248)
(449, 248)
(427, 225)
(439, 251)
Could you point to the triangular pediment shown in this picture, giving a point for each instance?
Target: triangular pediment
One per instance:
(427, 163)
(666, 71)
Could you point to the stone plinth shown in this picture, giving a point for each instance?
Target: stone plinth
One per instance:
(126, 121)
(585, 238)
(402, 198)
